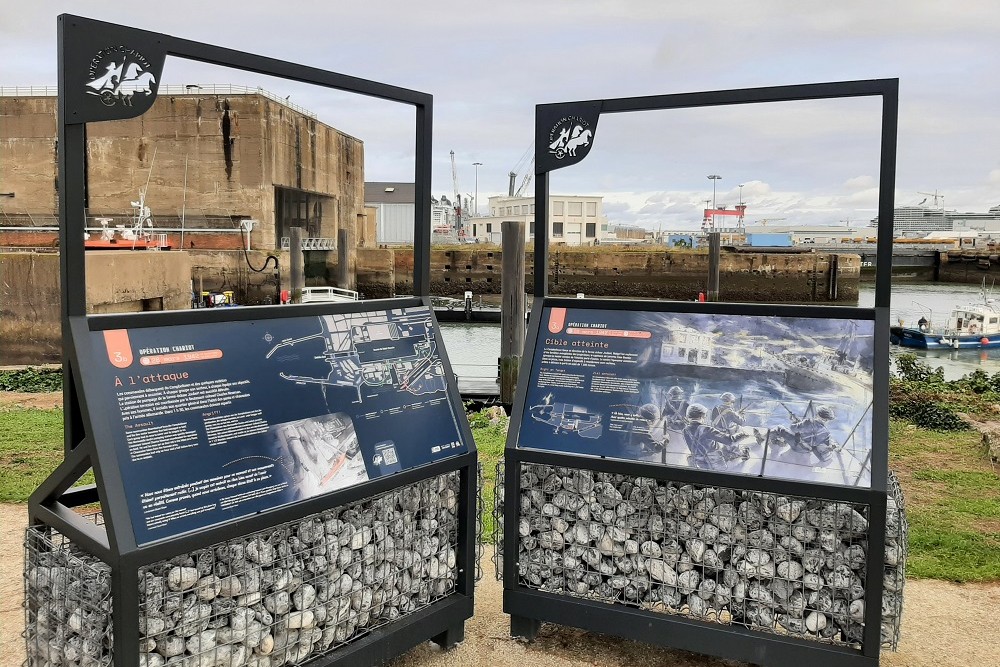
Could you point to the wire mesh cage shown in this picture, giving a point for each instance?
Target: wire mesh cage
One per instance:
(497, 510)
(896, 553)
(275, 597)
(771, 563)
(479, 520)
(67, 606)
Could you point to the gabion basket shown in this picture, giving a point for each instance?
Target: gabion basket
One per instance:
(763, 561)
(277, 597)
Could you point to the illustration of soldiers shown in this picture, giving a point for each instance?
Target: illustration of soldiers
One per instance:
(675, 409)
(809, 434)
(649, 433)
(710, 447)
(727, 417)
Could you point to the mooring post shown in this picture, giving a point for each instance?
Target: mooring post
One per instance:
(834, 276)
(714, 250)
(297, 261)
(511, 308)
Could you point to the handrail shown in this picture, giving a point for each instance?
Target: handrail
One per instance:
(172, 89)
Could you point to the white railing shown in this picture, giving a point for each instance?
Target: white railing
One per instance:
(327, 294)
(172, 89)
(28, 91)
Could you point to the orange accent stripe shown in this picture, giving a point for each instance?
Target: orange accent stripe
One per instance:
(608, 333)
(179, 357)
(119, 347)
(557, 319)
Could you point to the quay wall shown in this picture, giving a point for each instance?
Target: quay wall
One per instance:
(748, 277)
(969, 266)
(117, 282)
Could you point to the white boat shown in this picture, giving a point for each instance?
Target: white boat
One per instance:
(972, 327)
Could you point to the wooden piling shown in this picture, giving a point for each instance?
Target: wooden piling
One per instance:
(297, 261)
(511, 308)
(714, 252)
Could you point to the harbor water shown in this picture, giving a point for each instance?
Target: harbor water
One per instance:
(475, 348)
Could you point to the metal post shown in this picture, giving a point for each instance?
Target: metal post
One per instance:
(297, 260)
(541, 268)
(832, 285)
(714, 250)
(475, 197)
(512, 307)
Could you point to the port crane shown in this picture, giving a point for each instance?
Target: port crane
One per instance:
(528, 173)
(459, 227)
(934, 194)
(739, 210)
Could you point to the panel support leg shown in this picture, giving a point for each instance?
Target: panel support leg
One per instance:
(524, 628)
(451, 637)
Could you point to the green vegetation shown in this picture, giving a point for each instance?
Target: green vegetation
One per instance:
(31, 379)
(489, 428)
(922, 396)
(30, 449)
(952, 502)
(952, 491)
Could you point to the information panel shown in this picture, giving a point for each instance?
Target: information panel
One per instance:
(768, 396)
(216, 421)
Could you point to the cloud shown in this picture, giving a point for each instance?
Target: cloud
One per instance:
(860, 183)
(487, 68)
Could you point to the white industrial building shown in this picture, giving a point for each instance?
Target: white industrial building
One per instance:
(573, 220)
(394, 212)
(812, 234)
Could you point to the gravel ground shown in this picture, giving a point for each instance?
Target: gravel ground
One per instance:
(944, 625)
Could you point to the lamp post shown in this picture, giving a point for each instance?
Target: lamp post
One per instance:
(739, 220)
(475, 197)
(713, 178)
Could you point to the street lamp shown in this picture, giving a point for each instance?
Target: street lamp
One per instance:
(475, 197)
(713, 178)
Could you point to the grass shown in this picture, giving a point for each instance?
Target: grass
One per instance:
(490, 440)
(30, 449)
(952, 491)
(952, 503)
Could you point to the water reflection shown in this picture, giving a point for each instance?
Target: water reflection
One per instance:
(474, 348)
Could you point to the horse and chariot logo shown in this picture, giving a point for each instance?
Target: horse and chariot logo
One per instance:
(568, 135)
(117, 73)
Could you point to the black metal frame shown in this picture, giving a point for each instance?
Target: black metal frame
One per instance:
(87, 433)
(528, 607)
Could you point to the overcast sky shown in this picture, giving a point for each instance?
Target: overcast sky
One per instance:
(488, 64)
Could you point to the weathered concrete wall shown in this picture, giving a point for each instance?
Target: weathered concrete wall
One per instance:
(236, 149)
(969, 266)
(28, 154)
(117, 281)
(602, 272)
(29, 309)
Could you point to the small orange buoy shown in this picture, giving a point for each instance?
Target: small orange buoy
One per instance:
(984, 340)
(701, 296)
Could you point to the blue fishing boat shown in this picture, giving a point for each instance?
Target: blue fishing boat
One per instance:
(972, 327)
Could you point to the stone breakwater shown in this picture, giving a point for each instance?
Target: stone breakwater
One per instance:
(273, 598)
(772, 563)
